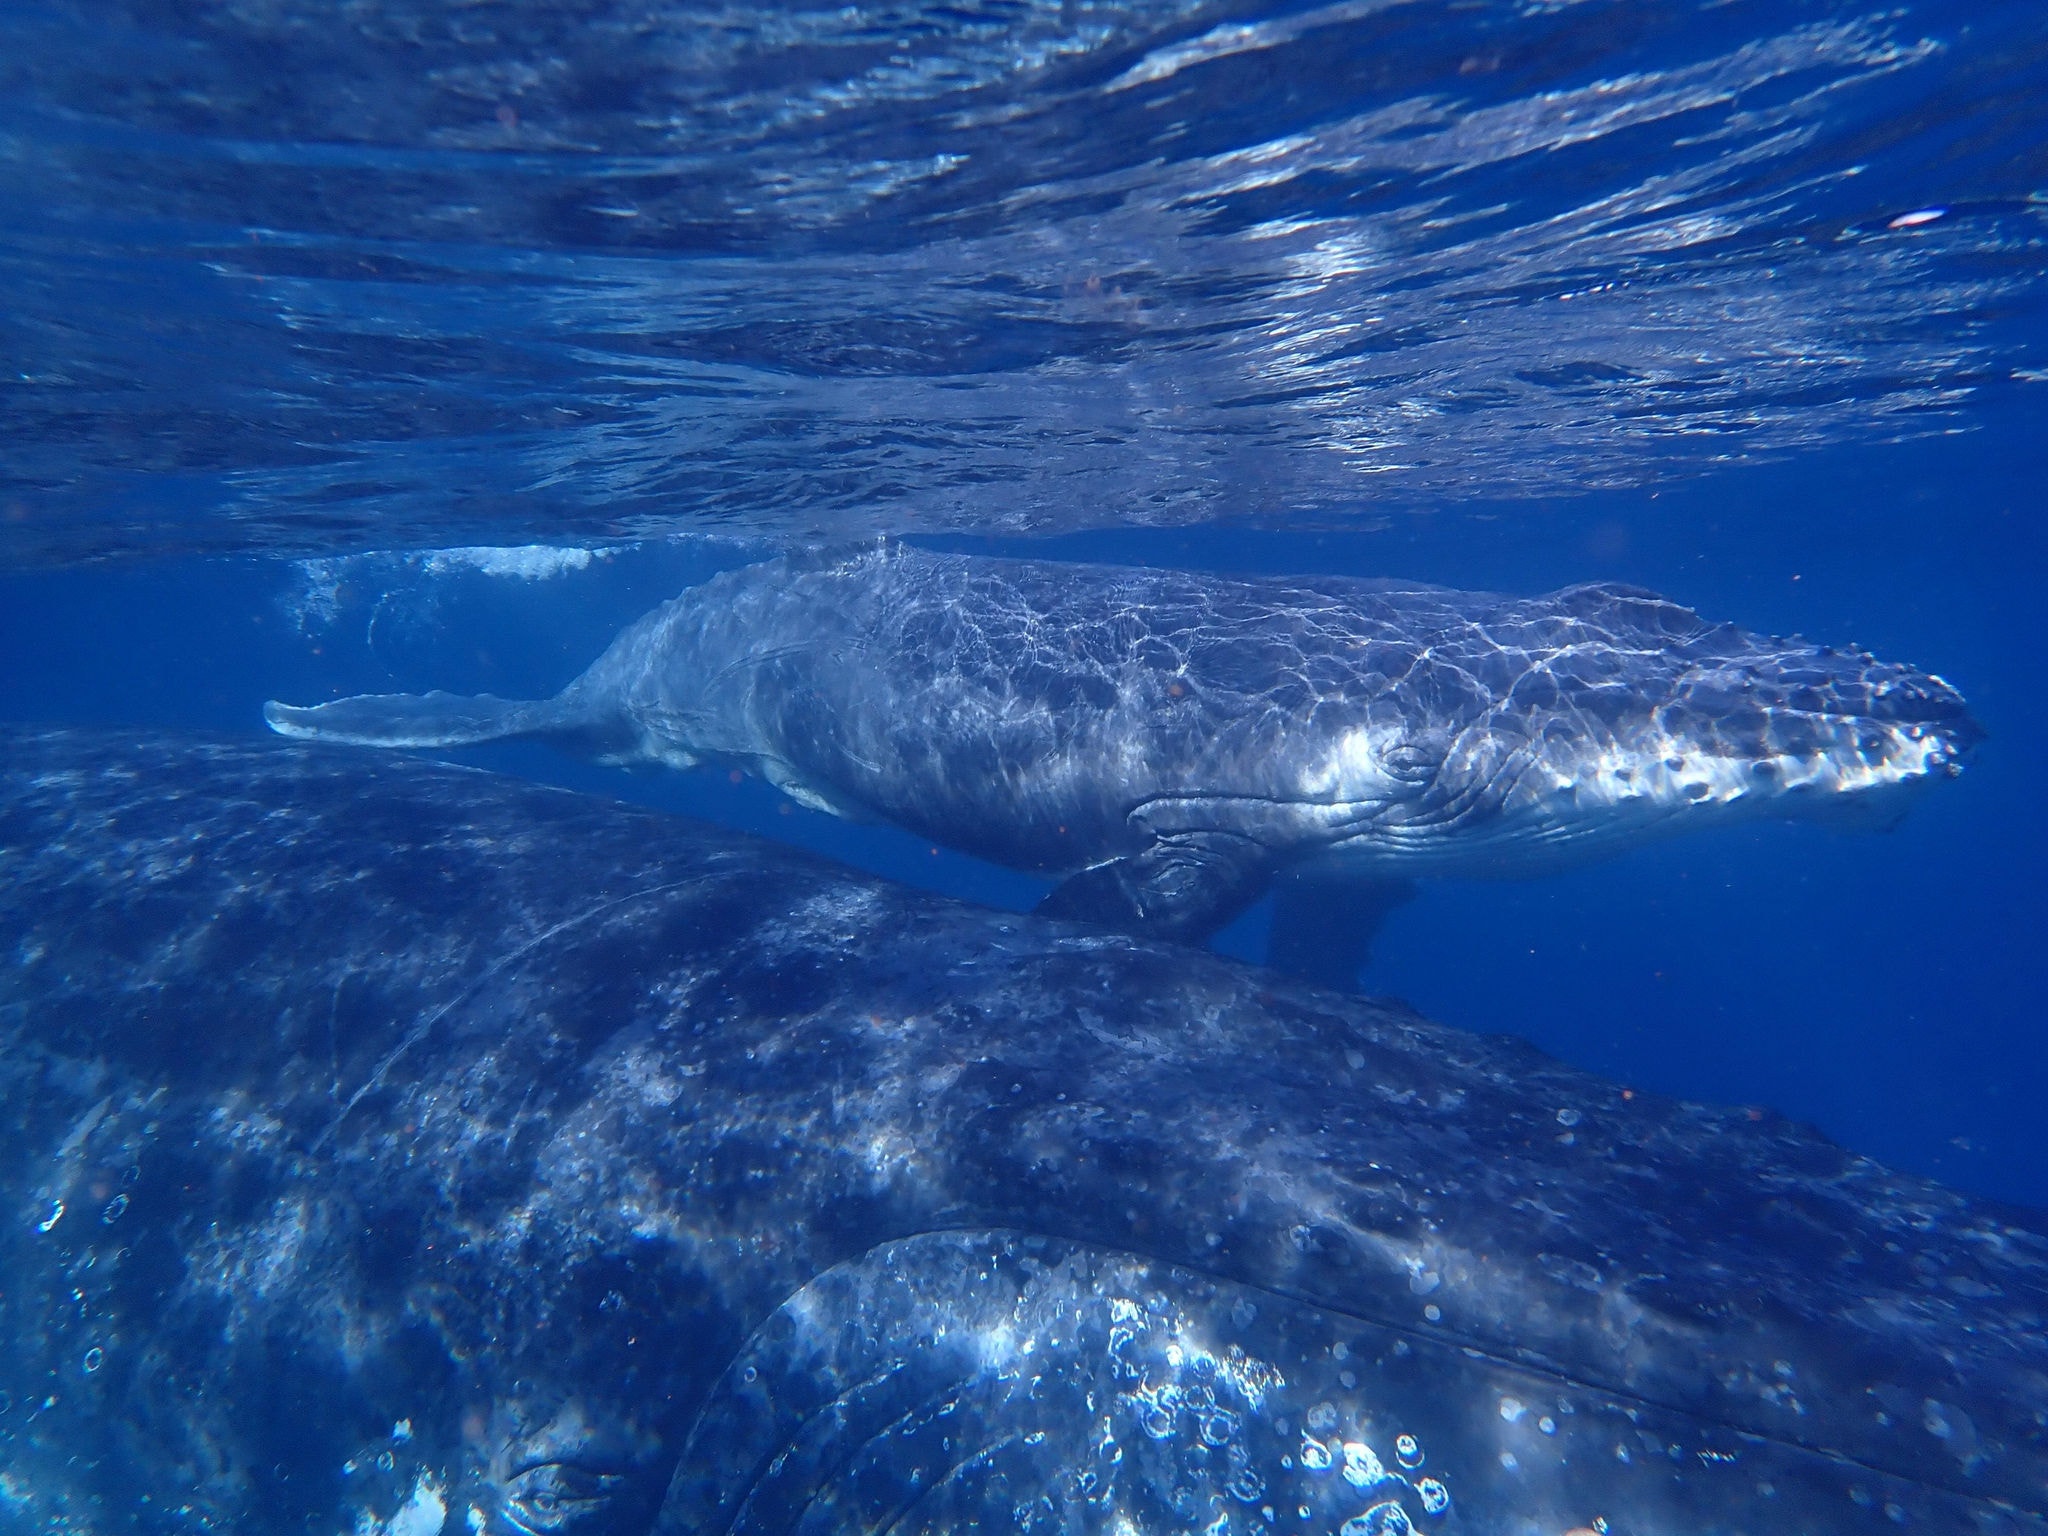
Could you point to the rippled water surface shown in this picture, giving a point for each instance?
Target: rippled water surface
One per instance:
(304, 277)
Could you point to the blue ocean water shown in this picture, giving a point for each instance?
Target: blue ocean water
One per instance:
(307, 308)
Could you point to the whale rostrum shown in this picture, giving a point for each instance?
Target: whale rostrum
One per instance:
(395, 1148)
(1166, 743)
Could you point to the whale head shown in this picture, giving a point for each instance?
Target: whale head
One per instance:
(1541, 731)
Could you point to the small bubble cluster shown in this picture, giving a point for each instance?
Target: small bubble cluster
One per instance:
(1226, 1461)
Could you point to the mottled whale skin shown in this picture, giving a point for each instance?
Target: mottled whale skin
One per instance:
(388, 1148)
(1167, 741)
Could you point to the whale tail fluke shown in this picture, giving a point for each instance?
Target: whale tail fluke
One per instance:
(422, 719)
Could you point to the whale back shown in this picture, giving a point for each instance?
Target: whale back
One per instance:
(387, 1137)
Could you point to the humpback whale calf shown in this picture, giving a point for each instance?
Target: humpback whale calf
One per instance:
(1166, 742)
(390, 1148)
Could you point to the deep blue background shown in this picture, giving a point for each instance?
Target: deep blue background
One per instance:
(1885, 986)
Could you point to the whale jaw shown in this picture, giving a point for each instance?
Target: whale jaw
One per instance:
(1773, 730)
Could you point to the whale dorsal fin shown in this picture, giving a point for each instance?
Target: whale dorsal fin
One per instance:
(1182, 887)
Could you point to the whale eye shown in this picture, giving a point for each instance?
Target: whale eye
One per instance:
(1411, 761)
(556, 1496)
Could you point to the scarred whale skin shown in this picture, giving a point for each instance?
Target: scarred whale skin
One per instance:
(389, 1147)
(1167, 741)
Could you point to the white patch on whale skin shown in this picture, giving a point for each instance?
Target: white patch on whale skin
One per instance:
(1356, 768)
(1618, 779)
(423, 1514)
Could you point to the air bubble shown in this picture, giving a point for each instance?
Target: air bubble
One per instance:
(386, 1461)
(1155, 1421)
(1218, 1427)
(1433, 1312)
(1314, 1454)
(1568, 1117)
(1245, 1487)
(94, 1359)
(1361, 1466)
(56, 1215)
(1408, 1451)
(749, 1374)
(114, 1209)
(1436, 1498)
(1380, 1520)
(1323, 1417)
(1547, 1424)
(1512, 1409)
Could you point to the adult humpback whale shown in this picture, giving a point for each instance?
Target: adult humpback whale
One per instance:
(1167, 741)
(395, 1148)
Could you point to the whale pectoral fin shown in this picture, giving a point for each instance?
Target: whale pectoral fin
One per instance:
(791, 783)
(1183, 887)
(1323, 926)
